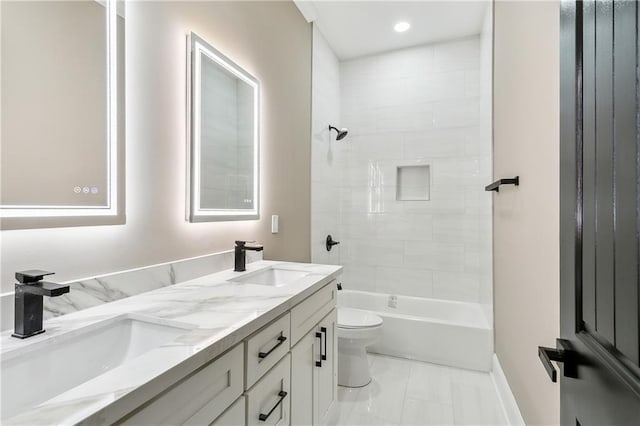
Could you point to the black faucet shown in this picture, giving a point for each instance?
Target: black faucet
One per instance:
(241, 255)
(28, 301)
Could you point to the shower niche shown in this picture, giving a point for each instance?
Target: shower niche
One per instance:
(413, 182)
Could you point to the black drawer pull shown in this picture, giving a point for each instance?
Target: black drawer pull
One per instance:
(319, 337)
(281, 340)
(324, 354)
(282, 395)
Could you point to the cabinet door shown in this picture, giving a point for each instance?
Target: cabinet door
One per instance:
(327, 375)
(304, 356)
(314, 374)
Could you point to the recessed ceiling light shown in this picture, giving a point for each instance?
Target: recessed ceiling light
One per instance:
(401, 27)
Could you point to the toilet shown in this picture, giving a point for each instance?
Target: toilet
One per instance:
(357, 329)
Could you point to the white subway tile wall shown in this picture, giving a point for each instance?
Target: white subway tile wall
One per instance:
(326, 153)
(416, 106)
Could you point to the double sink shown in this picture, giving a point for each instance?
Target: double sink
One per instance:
(71, 359)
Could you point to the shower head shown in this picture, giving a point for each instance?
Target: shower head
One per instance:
(341, 132)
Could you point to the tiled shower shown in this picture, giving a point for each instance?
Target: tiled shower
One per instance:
(404, 191)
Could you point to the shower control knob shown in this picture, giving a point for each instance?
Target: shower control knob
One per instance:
(330, 243)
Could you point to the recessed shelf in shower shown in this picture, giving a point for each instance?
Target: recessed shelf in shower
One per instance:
(413, 182)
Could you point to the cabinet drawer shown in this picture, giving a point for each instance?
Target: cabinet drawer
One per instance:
(308, 313)
(265, 348)
(234, 416)
(268, 400)
(199, 398)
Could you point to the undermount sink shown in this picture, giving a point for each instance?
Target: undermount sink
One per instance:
(53, 366)
(274, 277)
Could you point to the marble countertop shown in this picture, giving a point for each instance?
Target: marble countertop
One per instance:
(222, 313)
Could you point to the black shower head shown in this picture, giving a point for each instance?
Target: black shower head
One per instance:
(341, 132)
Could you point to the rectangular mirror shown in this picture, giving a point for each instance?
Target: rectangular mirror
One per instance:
(62, 115)
(224, 152)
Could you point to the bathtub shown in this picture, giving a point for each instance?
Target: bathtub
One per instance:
(456, 334)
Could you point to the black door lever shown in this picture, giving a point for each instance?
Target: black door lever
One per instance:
(562, 354)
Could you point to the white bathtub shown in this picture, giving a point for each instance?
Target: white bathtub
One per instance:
(444, 332)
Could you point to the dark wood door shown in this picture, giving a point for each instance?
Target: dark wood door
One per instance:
(599, 205)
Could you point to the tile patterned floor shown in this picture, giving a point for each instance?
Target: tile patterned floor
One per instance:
(406, 392)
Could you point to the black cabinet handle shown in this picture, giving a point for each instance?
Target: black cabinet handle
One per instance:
(319, 337)
(282, 395)
(323, 355)
(281, 340)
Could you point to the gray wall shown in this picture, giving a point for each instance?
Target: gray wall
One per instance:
(42, 95)
(525, 220)
(272, 41)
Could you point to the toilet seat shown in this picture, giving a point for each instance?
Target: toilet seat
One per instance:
(349, 318)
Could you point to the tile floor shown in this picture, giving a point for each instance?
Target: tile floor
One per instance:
(406, 392)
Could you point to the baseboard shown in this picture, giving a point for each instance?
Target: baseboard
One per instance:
(507, 400)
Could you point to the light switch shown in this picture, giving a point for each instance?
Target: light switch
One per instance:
(274, 224)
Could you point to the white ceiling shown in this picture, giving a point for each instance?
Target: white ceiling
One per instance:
(359, 28)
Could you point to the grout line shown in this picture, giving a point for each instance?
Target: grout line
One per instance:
(406, 388)
(452, 400)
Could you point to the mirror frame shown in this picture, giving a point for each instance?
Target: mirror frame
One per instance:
(48, 216)
(195, 213)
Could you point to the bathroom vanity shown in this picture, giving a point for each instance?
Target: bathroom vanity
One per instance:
(229, 348)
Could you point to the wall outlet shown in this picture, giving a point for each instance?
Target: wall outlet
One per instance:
(393, 302)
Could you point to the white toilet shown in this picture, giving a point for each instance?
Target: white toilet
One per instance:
(357, 329)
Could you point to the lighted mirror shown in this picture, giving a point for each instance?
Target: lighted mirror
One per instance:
(62, 113)
(224, 152)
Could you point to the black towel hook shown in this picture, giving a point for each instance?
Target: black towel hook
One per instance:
(330, 242)
(495, 186)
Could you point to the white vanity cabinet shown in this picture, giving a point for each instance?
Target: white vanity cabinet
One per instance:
(314, 372)
(197, 399)
(283, 374)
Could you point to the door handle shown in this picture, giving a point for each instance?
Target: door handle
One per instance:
(264, 417)
(563, 354)
(319, 337)
(323, 330)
